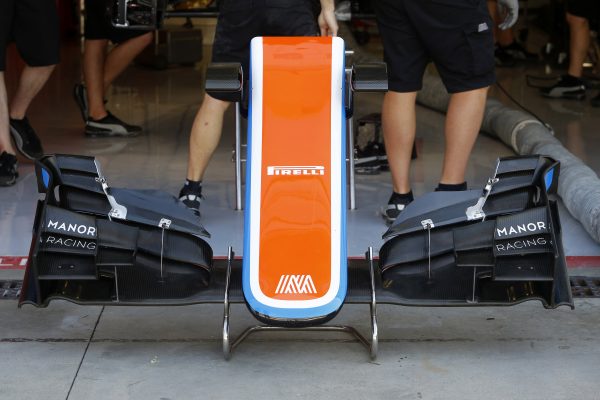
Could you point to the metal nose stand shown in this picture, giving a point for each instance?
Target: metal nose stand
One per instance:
(361, 78)
(373, 345)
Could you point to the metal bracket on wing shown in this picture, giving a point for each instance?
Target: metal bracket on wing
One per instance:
(116, 210)
(476, 212)
(428, 224)
(163, 224)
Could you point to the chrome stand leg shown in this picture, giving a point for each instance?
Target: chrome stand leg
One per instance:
(116, 284)
(374, 347)
(428, 253)
(351, 163)
(238, 157)
(227, 348)
(473, 298)
(350, 135)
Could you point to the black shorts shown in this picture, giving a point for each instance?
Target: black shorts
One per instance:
(98, 24)
(589, 9)
(242, 20)
(455, 34)
(33, 25)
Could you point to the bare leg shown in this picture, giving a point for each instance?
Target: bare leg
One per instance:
(579, 43)
(399, 128)
(122, 55)
(5, 142)
(505, 37)
(31, 81)
(205, 135)
(100, 69)
(93, 72)
(493, 10)
(463, 122)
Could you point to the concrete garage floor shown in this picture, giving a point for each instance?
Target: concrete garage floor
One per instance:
(72, 352)
(522, 352)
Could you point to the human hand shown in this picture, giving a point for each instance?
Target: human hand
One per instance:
(328, 23)
(511, 8)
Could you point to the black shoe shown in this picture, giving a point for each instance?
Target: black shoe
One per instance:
(110, 126)
(395, 206)
(192, 201)
(25, 138)
(595, 102)
(568, 87)
(367, 160)
(80, 96)
(8, 169)
(503, 58)
(392, 211)
(191, 196)
(371, 159)
(518, 52)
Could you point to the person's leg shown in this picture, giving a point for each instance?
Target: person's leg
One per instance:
(6, 17)
(36, 35)
(399, 127)
(93, 73)
(8, 160)
(407, 57)
(570, 85)
(100, 69)
(122, 55)
(5, 142)
(505, 37)
(398, 118)
(96, 35)
(30, 83)
(205, 136)
(508, 50)
(579, 43)
(238, 23)
(463, 122)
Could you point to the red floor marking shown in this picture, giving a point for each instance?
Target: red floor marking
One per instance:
(573, 262)
(583, 261)
(13, 262)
